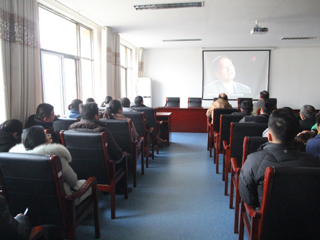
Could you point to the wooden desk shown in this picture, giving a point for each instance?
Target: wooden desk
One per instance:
(187, 119)
(165, 117)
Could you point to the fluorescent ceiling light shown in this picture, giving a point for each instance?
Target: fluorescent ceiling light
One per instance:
(168, 5)
(181, 40)
(300, 38)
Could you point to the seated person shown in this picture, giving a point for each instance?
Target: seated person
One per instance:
(138, 102)
(106, 101)
(74, 108)
(264, 96)
(90, 100)
(125, 103)
(10, 134)
(308, 117)
(114, 111)
(221, 102)
(44, 117)
(35, 141)
(90, 123)
(279, 151)
(245, 107)
(313, 144)
(263, 117)
(17, 228)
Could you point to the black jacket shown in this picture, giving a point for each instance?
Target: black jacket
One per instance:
(271, 154)
(17, 228)
(33, 121)
(262, 118)
(307, 124)
(7, 141)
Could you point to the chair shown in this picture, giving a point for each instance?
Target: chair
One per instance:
(273, 101)
(172, 102)
(89, 153)
(290, 206)
(39, 233)
(235, 147)
(122, 133)
(215, 125)
(63, 124)
(223, 135)
(240, 100)
(194, 102)
(150, 123)
(41, 189)
(250, 145)
(139, 121)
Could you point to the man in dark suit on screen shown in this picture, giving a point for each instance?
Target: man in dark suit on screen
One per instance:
(225, 71)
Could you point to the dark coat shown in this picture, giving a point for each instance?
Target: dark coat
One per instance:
(7, 141)
(262, 118)
(278, 155)
(17, 228)
(307, 124)
(114, 150)
(243, 113)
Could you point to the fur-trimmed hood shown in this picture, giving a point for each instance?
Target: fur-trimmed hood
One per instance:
(49, 149)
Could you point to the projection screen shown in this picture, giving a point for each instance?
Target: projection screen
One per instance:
(238, 73)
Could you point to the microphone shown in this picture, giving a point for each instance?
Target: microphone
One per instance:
(166, 104)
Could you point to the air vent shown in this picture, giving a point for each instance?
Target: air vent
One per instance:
(181, 40)
(168, 5)
(300, 38)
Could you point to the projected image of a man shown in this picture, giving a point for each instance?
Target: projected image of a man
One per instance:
(225, 72)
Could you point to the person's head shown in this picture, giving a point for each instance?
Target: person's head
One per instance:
(264, 95)
(107, 99)
(246, 105)
(267, 108)
(224, 69)
(307, 111)
(13, 127)
(283, 126)
(114, 107)
(223, 96)
(138, 100)
(90, 100)
(45, 112)
(75, 104)
(33, 137)
(125, 102)
(90, 111)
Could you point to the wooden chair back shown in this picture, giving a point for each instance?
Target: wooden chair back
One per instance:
(216, 116)
(63, 124)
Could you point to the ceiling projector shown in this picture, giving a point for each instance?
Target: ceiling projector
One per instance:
(258, 30)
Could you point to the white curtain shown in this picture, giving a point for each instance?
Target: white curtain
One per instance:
(20, 55)
(113, 64)
(140, 62)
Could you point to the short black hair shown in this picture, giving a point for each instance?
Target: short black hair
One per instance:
(89, 110)
(33, 137)
(138, 100)
(318, 118)
(125, 102)
(90, 100)
(75, 104)
(11, 126)
(264, 94)
(225, 97)
(308, 111)
(268, 108)
(246, 105)
(284, 125)
(107, 99)
(44, 110)
(114, 106)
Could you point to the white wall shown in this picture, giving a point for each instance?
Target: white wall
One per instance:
(294, 75)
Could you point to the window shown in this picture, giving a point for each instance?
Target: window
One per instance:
(66, 60)
(126, 69)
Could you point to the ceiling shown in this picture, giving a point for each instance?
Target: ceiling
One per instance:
(219, 24)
